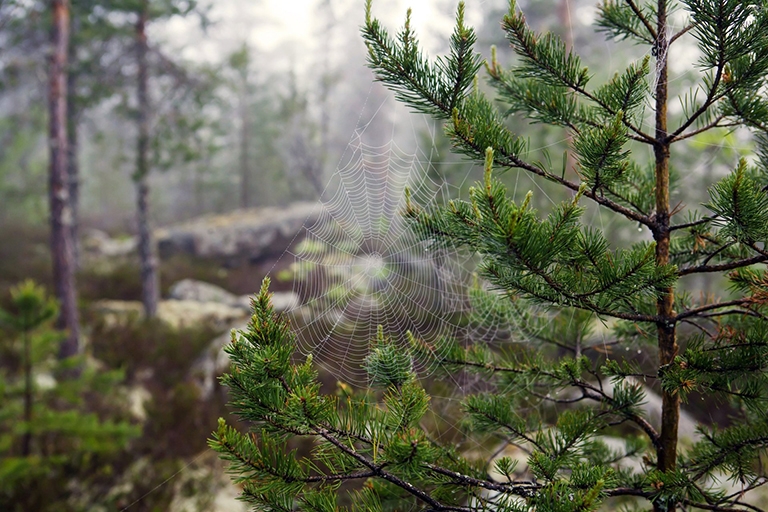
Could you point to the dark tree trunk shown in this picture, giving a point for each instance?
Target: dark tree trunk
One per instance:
(149, 279)
(58, 191)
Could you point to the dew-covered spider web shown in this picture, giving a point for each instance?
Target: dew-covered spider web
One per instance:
(363, 264)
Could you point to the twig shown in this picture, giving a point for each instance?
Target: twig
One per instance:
(710, 307)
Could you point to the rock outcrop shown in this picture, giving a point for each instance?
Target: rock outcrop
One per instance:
(200, 291)
(178, 313)
(241, 236)
(99, 244)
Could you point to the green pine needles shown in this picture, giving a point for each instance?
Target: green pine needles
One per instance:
(541, 434)
(58, 437)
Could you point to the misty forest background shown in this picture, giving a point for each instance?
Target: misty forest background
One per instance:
(238, 128)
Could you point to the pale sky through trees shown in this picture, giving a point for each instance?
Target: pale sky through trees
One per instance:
(292, 27)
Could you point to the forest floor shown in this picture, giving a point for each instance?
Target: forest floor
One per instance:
(168, 467)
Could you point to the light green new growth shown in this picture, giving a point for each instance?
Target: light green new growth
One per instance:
(577, 308)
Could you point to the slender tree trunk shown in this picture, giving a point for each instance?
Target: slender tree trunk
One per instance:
(667, 339)
(245, 171)
(150, 294)
(26, 440)
(73, 164)
(566, 28)
(61, 214)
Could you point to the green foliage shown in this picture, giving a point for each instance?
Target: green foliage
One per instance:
(598, 328)
(742, 206)
(22, 170)
(49, 434)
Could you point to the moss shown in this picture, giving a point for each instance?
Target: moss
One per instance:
(159, 357)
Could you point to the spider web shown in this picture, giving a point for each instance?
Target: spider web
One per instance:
(361, 266)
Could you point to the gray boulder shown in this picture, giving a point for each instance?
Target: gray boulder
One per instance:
(177, 313)
(214, 361)
(200, 291)
(99, 244)
(241, 236)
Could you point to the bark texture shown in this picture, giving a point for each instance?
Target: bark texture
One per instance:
(62, 246)
(149, 279)
(73, 167)
(667, 338)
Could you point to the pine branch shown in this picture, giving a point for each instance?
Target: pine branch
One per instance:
(522, 489)
(747, 312)
(710, 335)
(589, 391)
(710, 126)
(622, 22)
(749, 488)
(627, 200)
(763, 252)
(731, 447)
(379, 471)
(641, 16)
(681, 33)
(719, 508)
(562, 69)
(709, 307)
(405, 69)
(597, 394)
(415, 82)
(696, 223)
(698, 269)
(712, 97)
(511, 161)
(737, 29)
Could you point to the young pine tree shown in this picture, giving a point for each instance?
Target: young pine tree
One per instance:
(52, 443)
(715, 347)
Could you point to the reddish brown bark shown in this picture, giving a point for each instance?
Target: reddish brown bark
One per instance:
(58, 191)
(149, 279)
(667, 338)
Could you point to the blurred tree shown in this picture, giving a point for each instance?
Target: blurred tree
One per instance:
(62, 244)
(152, 148)
(328, 78)
(94, 74)
(50, 439)
(240, 62)
(22, 30)
(302, 152)
(555, 395)
(150, 281)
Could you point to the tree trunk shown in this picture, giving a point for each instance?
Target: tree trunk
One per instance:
(73, 164)
(566, 28)
(26, 440)
(326, 82)
(58, 192)
(245, 171)
(667, 339)
(149, 279)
